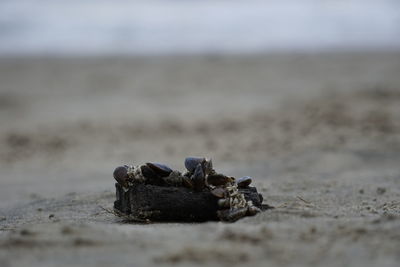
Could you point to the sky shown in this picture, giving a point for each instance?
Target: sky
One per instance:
(196, 26)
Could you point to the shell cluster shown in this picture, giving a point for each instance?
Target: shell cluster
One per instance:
(199, 176)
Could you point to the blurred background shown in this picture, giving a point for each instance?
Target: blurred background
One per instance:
(88, 85)
(92, 27)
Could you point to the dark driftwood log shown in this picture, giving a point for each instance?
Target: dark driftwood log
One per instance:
(161, 203)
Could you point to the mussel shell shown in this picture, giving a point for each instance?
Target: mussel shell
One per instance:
(151, 176)
(192, 162)
(244, 181)
(198, 178)
(121, 175)
(208, 166)
(147, 172)
(218, 179)
(253, 210)
(218, 192)
(161, 169)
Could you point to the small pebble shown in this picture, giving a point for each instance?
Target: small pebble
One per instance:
(66, 230)
(380, 190)
(25, 232)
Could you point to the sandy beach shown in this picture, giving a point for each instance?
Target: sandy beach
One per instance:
(319, 133)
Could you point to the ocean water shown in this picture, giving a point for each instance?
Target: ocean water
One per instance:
(196, 26)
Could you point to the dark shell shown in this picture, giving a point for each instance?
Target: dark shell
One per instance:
(161, 169)
(198, 178)
(218, 179)
(192, 162)
(147, 172)
(121, 175)
(252, 210)
(208, 166)
(151, 176)
(244, 182)
(218, 192)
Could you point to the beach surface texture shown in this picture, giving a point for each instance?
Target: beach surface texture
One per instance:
(319, 134)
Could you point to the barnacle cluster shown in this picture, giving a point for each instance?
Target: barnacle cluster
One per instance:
(199, 176)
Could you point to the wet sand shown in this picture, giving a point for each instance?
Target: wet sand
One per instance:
(319, 133)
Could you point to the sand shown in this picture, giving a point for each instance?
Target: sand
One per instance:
(319, 133)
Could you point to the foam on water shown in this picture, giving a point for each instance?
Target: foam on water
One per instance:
(177, 26)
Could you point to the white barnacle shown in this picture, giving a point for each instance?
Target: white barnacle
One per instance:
(235, 198)
(135, 173)
(130, 171)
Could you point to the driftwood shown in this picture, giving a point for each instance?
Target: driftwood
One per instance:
(169, 203)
